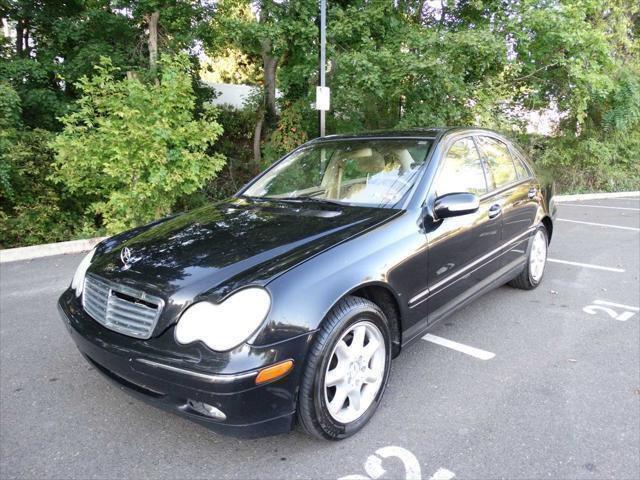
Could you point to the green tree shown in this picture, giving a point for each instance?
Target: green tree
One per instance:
(582, 56)
(406, 63)
(10, 110)
(33, 208)
(270, 34)
(58, 42)
(135, 147)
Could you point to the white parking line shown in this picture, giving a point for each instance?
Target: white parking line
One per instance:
(460, 347)
(611, 304)
(579, 264)
(599, 206)
(599, 224)
(586, 265)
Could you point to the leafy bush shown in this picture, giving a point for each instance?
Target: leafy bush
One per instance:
(593, 164)
(292, 131)
(134, 147)
(10, 110)
(237, 146)
(34, 209)
(605, 155)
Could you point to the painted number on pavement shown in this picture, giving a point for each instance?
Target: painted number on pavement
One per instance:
(616, 311)
(374, 469)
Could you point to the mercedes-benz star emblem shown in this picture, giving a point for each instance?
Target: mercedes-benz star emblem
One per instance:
(125, 256)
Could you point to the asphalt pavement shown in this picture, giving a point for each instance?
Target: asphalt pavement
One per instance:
(553, 390)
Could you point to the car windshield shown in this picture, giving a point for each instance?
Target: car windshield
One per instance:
(357, 172)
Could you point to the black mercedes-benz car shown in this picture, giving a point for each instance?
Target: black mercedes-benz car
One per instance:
(286, 303)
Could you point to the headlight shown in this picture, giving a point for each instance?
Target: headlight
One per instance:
(78, 278)
(226, 325)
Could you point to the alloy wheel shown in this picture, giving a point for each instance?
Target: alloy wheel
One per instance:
(355, 372)
(538, 256)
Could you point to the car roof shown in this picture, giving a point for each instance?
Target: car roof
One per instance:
(426, 133)
(415, 132)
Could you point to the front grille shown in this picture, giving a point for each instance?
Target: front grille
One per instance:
(119, 308)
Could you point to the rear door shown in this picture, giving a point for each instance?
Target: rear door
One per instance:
(462, 249)
(513, 188)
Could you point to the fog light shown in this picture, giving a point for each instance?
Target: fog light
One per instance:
(208, 410)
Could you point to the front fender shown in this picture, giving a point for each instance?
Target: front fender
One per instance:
(303, 296)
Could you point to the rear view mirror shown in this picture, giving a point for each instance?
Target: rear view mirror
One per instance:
(455, 204)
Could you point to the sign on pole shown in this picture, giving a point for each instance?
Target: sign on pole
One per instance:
(323, 98)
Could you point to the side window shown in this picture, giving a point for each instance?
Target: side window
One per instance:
(501, 170)
(462, 170)
(520, 168)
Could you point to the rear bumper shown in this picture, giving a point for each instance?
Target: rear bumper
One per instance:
(250, 410)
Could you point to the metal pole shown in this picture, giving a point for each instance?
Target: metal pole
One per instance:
(323, 44)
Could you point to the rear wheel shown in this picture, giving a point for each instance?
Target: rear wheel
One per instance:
(347, 370)
(531, 275)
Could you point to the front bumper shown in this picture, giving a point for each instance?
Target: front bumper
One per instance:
(158, 372)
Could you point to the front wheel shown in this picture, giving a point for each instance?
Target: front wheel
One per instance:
(531, 275)
(347, 370)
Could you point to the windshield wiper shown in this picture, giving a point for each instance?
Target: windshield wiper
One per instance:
(308, 198)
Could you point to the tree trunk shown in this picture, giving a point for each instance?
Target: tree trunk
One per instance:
(420, 12)
(257, 138)
(19, 37)
(267, 114)
(153, 40)
(443, 13)
(270, 65)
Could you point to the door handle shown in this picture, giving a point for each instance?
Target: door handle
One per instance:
(495, 210)
(532, 192)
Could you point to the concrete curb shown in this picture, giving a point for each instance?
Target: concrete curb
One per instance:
(77, 246)
(48, 249)
(594, 196)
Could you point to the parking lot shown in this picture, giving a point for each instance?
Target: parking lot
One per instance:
(519, 385)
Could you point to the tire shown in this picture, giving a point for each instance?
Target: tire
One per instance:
(531, 276)
(319, 413)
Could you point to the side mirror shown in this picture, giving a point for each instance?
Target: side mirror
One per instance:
(455, 204)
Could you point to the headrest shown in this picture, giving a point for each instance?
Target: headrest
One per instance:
(374, 163)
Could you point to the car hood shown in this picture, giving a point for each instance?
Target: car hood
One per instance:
(217, 248)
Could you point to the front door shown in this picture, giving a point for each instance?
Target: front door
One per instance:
(461, 255)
